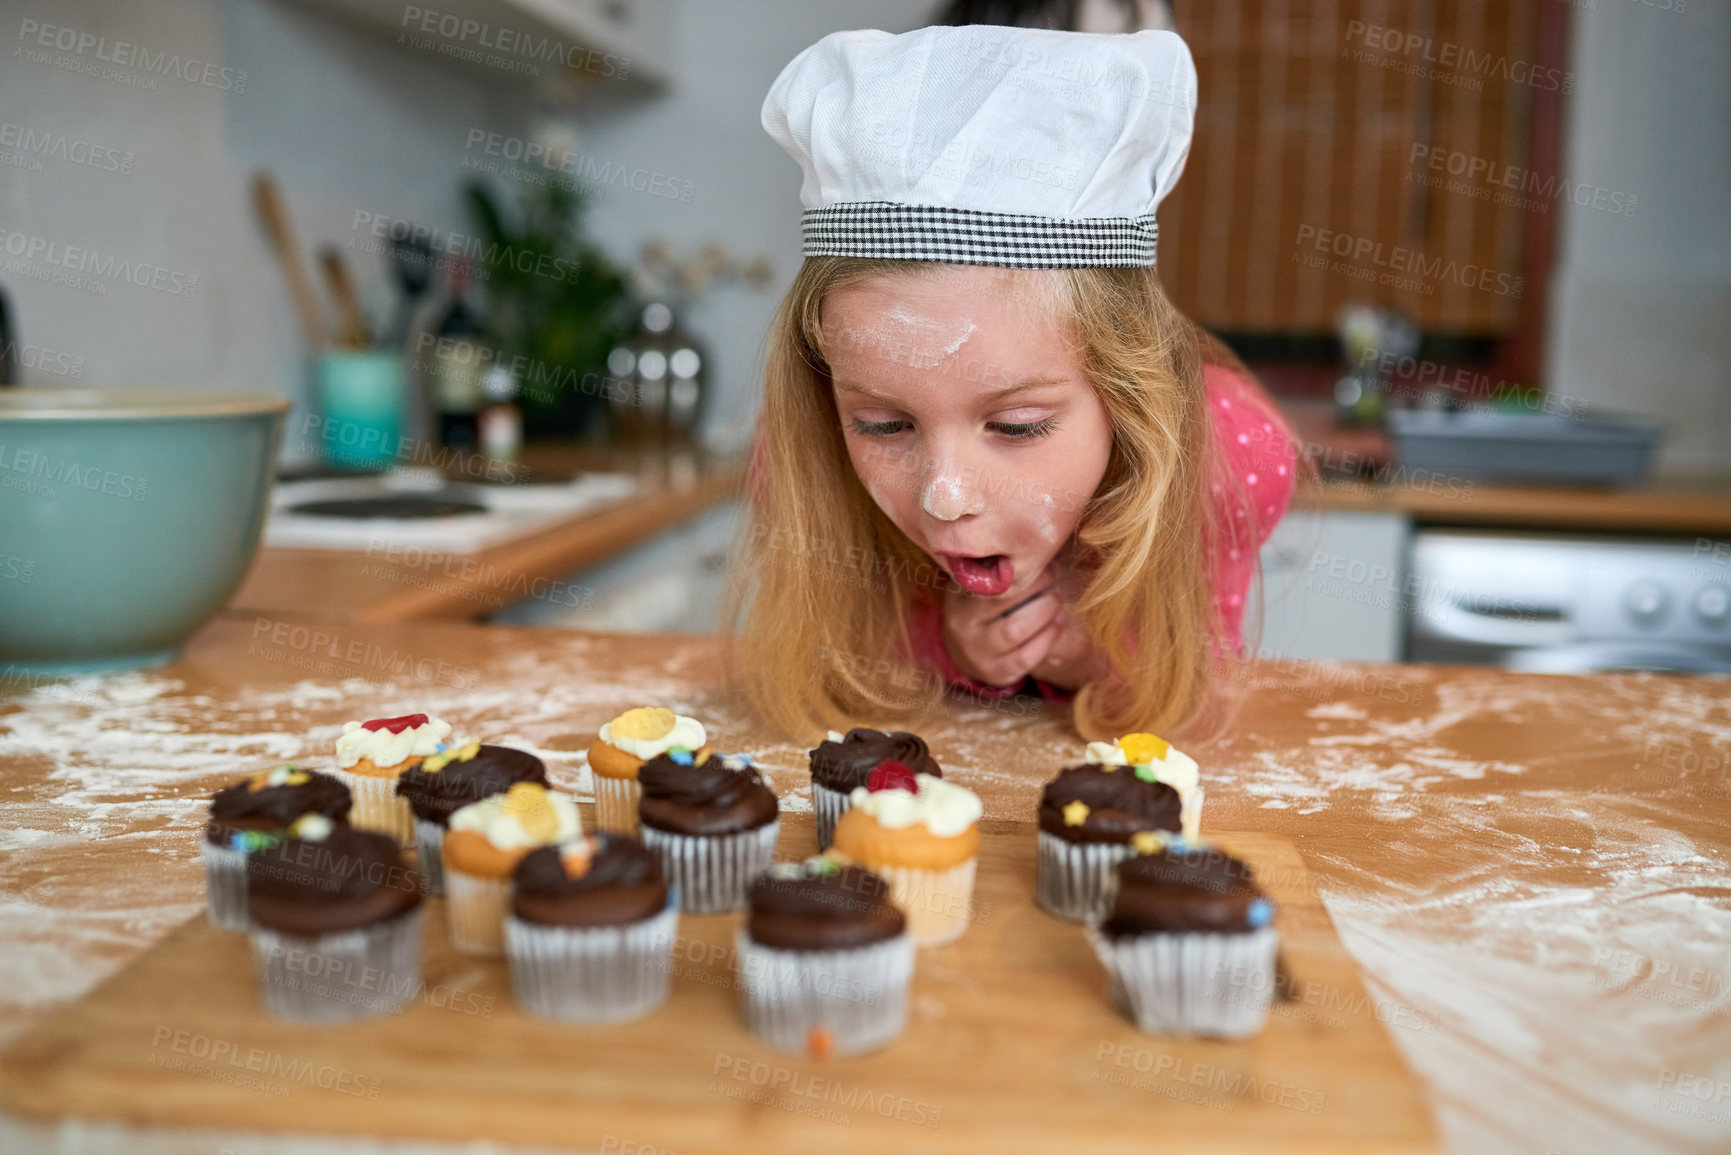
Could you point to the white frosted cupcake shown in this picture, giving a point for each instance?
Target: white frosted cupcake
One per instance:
(921, 834)
(370, 757)
(485, 842)
(621, 748)
(1156, 760)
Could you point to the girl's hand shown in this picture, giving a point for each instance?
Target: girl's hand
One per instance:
(1000, 641)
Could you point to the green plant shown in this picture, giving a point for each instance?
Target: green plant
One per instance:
(551, 298)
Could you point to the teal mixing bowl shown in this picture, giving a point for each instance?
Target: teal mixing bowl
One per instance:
(127, 519)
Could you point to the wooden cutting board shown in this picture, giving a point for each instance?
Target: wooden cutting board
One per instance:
(1012, 1046)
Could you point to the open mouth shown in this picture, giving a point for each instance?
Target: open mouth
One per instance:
(984, 577)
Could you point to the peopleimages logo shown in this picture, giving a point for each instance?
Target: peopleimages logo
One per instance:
(81, 262)
(122, 54)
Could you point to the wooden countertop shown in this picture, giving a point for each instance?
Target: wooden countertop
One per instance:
(1686, 506)
(1533, 872)
(359, 586)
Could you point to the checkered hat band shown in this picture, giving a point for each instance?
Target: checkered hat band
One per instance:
(968, 237)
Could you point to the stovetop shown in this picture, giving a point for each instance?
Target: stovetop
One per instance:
(415, 507)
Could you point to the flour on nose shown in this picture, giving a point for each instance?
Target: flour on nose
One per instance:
(945, 498)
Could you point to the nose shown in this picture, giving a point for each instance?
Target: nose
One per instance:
(949, 493)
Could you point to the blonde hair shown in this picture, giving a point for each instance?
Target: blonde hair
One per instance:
(826, 585)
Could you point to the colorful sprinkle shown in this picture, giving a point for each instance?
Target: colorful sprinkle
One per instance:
(680, 755)
(247, 841)
(433, 763)
(820, 1042)
(577, 855)
(824, 865)
(311, 828)
(892, 775)
(1260, 913)
(1076, 813)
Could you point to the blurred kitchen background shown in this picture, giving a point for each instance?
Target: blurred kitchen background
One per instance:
(513, 262)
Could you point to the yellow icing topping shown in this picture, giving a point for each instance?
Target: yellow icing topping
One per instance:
(529, 802)
(1076, 813)
(1140, 748)
(644, 724)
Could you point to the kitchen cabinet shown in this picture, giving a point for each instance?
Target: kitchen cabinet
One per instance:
(1332, 587)
(524, 40)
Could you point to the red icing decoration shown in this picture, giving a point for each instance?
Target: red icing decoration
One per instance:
(396, 725)
(892, 776)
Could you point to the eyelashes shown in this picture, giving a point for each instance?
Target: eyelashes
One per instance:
(878, 428)
(1015, 431)
(1026, 431)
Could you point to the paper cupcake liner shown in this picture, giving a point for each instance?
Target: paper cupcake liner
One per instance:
(225, 883)
(938, 903)
(828, 805)
(331, 978)
(1190, 814)
(713, 872)
(592, 974)
(1078, 880)
(616, 803)
(429, 855)
(475, 908)
(858, 996)
(377, 807)
(1192, 983)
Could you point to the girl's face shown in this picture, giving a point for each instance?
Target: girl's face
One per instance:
(967, 418)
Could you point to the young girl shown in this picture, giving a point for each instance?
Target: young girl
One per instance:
(991, 449)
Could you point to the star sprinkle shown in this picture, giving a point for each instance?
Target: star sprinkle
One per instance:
(1147, 842)
(1076, 813)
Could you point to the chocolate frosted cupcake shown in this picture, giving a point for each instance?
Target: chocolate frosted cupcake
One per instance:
(1189, 944)
(445, 782)
(1088, 816)
(336, 923)
(713, 823)
(251, 815)
(1153, 759)
(843, 762)
(590, 933)
(825, 959)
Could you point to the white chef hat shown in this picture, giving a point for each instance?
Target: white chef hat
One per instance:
(986, 145)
